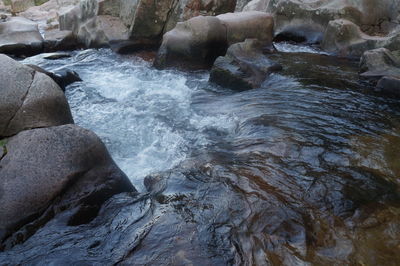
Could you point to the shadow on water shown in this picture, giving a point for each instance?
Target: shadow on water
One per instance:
(302, 171)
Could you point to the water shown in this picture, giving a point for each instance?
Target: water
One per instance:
(304, 170)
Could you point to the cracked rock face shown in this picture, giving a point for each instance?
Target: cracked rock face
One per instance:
(53, 169)
(29, 99)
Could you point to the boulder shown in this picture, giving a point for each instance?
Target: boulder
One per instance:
(374, 16)
(29, 99)
(346, 39)
(56, 40)
(63, 77)
(21, 5)
(378, 59)
(195, 43)
(20, 36)
(248, 25)
(381, 68)
(48, 170)
(186, 9)
(243, 67)
(389, 85)
(133, 22)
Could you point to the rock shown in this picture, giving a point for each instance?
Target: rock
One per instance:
(345, 38)
(186, 9)
(133, 21)
(63, 77)
(195, 43)
(29, 99)
(48, 170)
(56, 56)
(21, 5)
(381, 68)
(244, 66)
(389, 85)
(56, 40)
(248, 25)
(19, 36)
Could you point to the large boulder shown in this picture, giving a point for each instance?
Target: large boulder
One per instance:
(248, 25)
(195, 43)
(29, 99)
(133, 23)
(243, 67)
(186, 9)
(48, 170)
(374, 16)
(20, 36)
(345, 38)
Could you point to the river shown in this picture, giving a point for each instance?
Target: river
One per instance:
(304, 170)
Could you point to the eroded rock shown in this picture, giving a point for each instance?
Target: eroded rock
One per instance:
(57, 168)
(244, 66)
(29, 99)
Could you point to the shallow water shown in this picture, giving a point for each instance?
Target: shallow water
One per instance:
(304, 170)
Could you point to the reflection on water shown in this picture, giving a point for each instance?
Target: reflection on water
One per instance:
(304, 170)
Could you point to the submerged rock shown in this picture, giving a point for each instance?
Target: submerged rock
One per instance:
(244, 66)
(53, 169)
(389, 85)
(63, 77)
(20, 36)
(29, 99)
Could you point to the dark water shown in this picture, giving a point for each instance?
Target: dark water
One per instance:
(305, 170)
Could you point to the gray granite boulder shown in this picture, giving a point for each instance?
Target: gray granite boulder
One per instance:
(20, 36)
(29, 99)
(195, 43)
(55, 168)
(243, 67)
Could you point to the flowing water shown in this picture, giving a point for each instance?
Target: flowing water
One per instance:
(304, 170)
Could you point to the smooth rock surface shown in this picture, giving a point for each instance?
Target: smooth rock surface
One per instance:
(247, 25)
(20, 36)
(66, 166)
(196, 42)
(29, 99)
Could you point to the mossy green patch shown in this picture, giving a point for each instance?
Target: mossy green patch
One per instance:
(7, 2)
(39, 2)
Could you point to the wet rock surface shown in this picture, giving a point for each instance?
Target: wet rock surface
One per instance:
(244, 66)
(52, 169)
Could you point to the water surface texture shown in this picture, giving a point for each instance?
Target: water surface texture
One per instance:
(304, 170)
